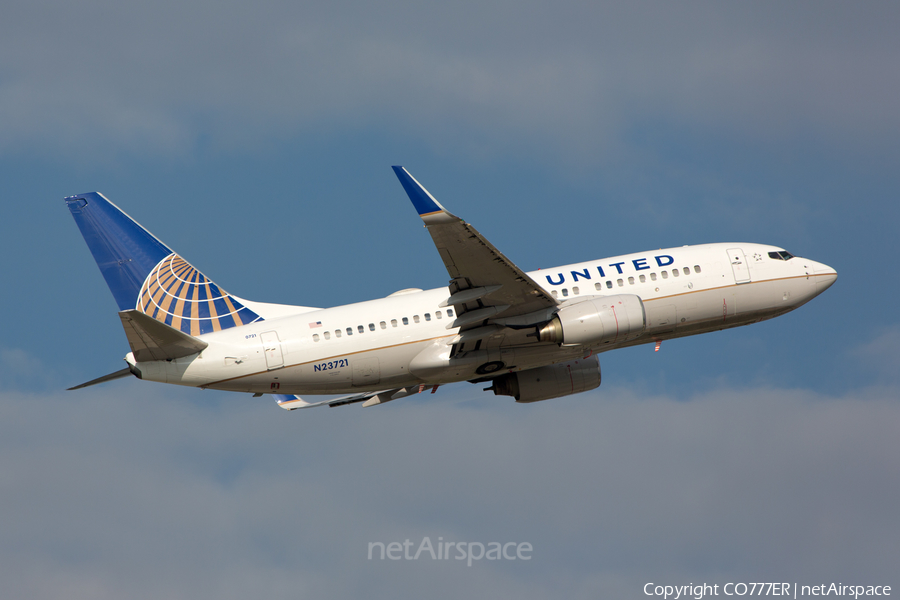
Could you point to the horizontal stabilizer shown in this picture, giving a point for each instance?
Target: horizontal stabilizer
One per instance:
(117, 375)
(154, 340)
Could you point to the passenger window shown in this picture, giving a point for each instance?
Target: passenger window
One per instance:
(675, 273)
(597, 286)
(371, 326)
(554, 294)
(665, 274)
(416, 318)
(565, 292)
(438, 314)
(393, 322)
(620, 282)
(337, 333)
(449, 312)
(652, 276)
(575, 290)
(609, 284)
(327, 335)
(406, 320)
(315, 337)
(687, 270)
(427, 316)
(383, 325)
(643, 279)
(349, 331)
(631, 281)
(360, 328)
(696, 268)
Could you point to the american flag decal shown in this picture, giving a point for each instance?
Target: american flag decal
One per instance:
(316, 324)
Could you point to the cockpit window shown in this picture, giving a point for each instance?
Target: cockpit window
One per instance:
(781, 255)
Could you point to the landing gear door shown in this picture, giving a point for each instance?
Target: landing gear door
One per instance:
(272, 349)
(739, 265)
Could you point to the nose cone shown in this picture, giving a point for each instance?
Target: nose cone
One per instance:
(825, 277)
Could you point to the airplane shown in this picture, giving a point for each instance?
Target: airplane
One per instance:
(532, 336)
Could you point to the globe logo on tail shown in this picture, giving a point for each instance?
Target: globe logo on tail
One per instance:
(182, 297)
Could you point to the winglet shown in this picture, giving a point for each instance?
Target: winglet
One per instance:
(424, 202)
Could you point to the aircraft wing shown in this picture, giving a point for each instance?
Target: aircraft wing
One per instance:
(292, 402)
(485, 286)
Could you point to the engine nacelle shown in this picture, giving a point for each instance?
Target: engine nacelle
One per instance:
(552, 381)
(596, 321)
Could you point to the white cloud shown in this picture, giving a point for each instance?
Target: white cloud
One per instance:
(145, 491)
(158, 78)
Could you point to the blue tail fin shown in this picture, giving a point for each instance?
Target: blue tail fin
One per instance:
(144, 274)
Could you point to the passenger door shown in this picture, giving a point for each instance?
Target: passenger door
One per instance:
(739, 265)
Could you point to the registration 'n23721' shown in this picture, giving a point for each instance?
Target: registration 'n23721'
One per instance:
(332, 364)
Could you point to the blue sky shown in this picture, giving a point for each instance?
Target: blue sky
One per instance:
(257, 141)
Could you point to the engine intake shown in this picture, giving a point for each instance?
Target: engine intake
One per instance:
(595, 321)
(553, 381)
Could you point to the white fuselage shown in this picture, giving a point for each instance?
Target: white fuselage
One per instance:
(380, 343)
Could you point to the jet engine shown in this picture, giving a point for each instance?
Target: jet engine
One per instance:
(552, 381)
(595, 321)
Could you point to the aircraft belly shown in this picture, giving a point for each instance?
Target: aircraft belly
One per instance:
(434, 365)
(774, 294)
(667, 314)
(661, 315)
(342, 373)
(722, 308)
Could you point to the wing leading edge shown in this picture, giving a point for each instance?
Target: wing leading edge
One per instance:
(485, 287)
